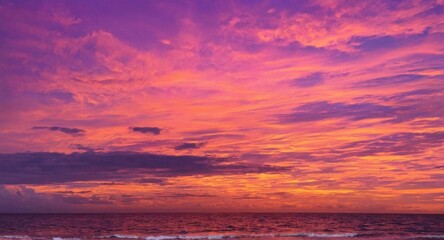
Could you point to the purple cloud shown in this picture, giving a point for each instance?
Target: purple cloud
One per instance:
(50, 168)
(152, 130)
(403, 143)
(309, 80)
(317, 111)
(70, 131)
(390, 80)
(188, 146)
(84, 148)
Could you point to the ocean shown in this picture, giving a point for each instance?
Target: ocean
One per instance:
(221, 226)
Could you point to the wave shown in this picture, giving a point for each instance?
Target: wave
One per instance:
(230, 236)
(166, 237)
(22, 237)
(60, 238)
(270, 235)
(319, 235)
(4, 237)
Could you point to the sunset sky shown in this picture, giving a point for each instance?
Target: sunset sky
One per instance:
(222, 106)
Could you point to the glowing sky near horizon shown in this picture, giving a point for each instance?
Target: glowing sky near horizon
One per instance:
(126, 106)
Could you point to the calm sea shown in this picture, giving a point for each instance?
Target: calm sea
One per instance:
(221, 226)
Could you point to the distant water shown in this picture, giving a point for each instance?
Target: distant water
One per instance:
(221, 226)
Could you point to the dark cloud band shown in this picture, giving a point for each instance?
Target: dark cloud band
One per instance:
(53, 168)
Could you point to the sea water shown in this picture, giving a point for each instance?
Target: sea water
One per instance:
(221, 226)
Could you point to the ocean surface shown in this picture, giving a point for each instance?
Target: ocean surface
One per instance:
(221, 226)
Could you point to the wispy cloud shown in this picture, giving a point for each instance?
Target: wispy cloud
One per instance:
(309, 80)
(317, 111)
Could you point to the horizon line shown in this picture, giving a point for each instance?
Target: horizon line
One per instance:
(209, 212)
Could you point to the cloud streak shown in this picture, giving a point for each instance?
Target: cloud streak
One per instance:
(34, 168)
(70, 131)
(391, 80)
(188, 146)
(309, 80)
(317, 111)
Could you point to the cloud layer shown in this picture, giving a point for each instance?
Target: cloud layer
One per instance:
(282, 106)
(54, 168)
